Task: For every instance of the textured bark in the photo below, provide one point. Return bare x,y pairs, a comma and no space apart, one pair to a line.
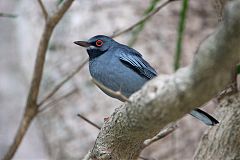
167,98
223,142
219,5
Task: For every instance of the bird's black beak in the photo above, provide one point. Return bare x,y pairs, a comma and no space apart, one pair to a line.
82,43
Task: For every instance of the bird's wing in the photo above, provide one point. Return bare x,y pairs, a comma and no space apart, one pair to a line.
134,60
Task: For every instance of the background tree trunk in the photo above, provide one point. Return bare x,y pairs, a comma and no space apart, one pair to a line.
222,141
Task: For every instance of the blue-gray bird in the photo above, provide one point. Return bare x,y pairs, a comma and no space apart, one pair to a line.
121,68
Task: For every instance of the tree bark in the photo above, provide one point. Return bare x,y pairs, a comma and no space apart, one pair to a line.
219,5
167,98
223,142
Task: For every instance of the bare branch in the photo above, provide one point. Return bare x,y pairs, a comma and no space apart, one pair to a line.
228,91
60,12
65,80
160,135
8,15
88,121
147,17
24,125
53,102
117,94
44,11
31,108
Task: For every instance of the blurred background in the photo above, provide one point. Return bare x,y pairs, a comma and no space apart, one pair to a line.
57,133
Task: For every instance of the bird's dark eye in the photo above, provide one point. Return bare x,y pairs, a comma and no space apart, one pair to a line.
99,43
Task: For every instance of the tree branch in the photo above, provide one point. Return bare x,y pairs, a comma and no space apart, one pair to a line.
31,108
167,98
147,17
136,32
44,11
88,121
160,135
65,80
31,105
54,19
51,103
8,15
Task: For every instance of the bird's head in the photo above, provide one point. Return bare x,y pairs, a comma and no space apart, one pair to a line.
96,45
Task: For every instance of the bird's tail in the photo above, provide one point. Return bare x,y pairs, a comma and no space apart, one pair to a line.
204,117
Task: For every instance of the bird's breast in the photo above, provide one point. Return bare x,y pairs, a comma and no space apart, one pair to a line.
105,71
113,74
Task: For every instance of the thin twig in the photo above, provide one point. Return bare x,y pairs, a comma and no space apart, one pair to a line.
117,94
160,135
228,91
147,17
60,12
53,102
57,87
31,108
140,27
44,11
88,121
8,15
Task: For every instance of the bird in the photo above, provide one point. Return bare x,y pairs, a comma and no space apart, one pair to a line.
122,69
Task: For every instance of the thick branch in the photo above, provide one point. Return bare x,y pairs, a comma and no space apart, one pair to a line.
167,98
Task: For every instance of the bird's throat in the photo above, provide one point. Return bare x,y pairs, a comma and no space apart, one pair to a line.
94,53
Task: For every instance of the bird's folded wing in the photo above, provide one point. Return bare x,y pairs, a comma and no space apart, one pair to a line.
137,63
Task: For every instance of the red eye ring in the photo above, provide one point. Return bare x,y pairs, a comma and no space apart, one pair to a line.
99,43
